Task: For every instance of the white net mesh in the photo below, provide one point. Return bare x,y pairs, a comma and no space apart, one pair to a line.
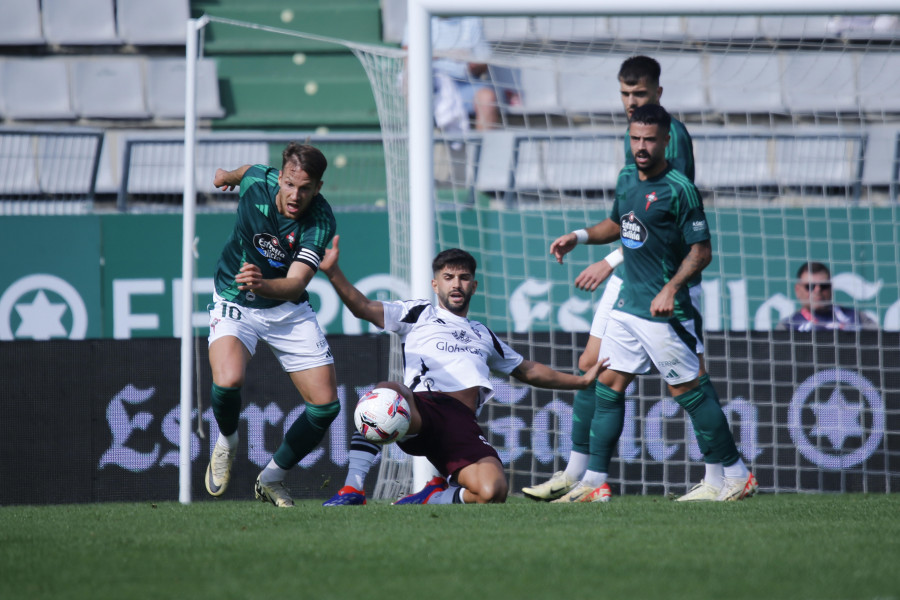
795,126
795,122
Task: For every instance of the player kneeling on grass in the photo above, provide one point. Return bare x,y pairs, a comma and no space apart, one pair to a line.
448,361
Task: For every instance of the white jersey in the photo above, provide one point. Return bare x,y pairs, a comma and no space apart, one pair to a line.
446,353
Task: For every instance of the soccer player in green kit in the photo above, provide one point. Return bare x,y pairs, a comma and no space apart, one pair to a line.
283,226
639,84
658,215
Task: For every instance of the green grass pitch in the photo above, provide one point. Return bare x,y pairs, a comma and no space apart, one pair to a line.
772,546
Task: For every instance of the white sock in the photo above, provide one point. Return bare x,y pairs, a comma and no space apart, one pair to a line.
577,465
714,474
445,496
737,470
594,479
272,473
358,467
228,441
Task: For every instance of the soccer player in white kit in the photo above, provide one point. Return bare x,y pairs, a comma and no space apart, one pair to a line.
448,359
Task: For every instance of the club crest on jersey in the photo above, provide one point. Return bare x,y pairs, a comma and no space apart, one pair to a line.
651,198
290,239
461,336
269,246
632,231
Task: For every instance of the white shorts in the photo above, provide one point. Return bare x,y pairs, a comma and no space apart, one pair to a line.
291,331
601,315
608,299
633,343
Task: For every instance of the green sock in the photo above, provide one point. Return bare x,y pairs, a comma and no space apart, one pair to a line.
606,427
306,433
708,389
709,421
226,405
582,414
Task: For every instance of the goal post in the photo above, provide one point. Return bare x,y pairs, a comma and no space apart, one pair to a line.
791,167
821,214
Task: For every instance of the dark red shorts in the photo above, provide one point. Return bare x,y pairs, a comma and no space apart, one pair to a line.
450,437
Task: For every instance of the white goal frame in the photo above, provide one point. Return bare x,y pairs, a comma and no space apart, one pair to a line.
421,139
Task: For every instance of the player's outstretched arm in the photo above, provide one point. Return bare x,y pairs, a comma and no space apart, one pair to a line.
542,376
228,180
361,306
602,233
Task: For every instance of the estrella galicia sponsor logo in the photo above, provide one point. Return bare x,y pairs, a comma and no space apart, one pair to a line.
633,232
42,307
699,225
836,419
269,246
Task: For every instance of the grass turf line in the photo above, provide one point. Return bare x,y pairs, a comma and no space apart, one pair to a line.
772,546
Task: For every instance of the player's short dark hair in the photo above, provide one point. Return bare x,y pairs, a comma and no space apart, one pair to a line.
310,159
639,67
454,257
813,267
652,114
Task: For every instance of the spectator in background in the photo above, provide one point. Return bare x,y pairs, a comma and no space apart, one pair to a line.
817,312
472,90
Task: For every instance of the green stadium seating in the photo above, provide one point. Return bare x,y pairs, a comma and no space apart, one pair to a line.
272,81
357,21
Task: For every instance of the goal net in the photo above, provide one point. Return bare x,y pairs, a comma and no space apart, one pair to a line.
795,122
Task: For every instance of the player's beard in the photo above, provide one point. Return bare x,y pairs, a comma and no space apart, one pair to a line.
458,308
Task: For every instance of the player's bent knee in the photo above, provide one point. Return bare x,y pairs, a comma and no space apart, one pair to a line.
493,491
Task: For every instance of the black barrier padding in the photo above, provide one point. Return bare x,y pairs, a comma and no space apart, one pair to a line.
92,421
97,420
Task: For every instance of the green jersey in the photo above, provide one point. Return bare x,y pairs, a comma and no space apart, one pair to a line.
660,219
264,237
679,152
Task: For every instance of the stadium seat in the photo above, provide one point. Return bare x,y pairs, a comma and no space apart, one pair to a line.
354,21
647,28
739,27
109,88
816,82
881,153
791,27
819,159
166,88
536,81
495,160
85,22
18,173
732,158
588,162
590,85
21,22
878,82
507,29
683,81
393,20
161,22
569,29
35,88
741,82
